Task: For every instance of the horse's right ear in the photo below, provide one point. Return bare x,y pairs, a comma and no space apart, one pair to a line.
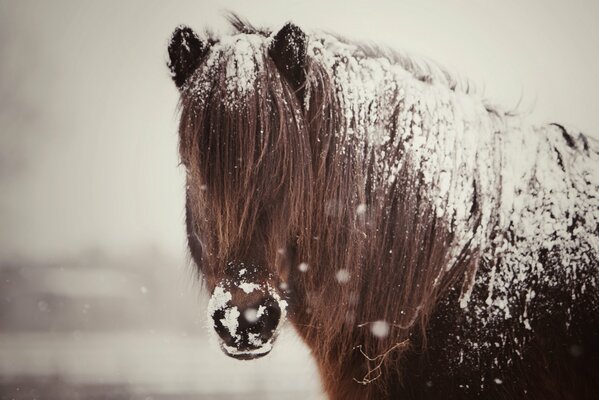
288,51
185,51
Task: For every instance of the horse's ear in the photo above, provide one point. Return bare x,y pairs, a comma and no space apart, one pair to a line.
185,52
288,50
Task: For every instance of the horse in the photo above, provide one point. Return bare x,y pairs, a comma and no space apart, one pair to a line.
423,242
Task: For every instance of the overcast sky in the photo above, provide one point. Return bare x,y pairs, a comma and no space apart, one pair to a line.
88,155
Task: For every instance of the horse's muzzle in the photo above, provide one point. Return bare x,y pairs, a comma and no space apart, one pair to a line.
246,319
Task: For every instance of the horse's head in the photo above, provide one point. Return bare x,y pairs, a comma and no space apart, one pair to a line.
244,146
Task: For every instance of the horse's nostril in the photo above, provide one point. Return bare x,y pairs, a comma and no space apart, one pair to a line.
270,320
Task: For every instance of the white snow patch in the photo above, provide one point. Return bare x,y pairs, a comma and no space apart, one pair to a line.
265,348
249,287
218,300
231,321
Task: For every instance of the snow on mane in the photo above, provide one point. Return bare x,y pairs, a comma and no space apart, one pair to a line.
532,186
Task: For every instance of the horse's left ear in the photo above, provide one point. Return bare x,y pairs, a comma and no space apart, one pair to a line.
288,51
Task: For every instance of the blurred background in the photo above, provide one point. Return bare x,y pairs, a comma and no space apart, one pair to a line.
97,295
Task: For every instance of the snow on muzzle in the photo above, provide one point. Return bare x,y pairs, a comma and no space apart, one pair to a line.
246,315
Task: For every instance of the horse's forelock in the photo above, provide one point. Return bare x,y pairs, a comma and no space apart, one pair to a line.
244,143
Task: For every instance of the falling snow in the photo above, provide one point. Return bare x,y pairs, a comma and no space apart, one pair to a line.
361,209
342,276
380,329
303,267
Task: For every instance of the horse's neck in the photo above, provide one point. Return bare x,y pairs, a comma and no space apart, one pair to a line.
523,198
447,136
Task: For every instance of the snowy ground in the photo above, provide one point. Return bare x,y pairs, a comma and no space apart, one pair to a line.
148,365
